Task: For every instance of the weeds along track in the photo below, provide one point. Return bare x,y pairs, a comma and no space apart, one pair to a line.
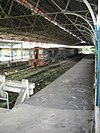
31,71
43,76
13,69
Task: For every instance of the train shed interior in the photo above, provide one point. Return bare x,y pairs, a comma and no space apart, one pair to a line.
43,68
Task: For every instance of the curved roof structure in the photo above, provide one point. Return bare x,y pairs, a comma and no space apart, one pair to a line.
66,22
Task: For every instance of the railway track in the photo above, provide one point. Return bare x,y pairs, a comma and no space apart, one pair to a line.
30,71
13,69
42,76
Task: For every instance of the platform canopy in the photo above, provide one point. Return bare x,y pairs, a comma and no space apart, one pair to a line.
66,22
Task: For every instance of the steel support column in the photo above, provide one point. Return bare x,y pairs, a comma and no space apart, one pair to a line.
90,10
21,50
98,56
12,51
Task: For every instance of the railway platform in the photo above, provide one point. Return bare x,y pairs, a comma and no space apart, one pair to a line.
64,106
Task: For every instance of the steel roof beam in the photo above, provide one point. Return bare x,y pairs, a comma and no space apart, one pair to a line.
28,35
10,7
44,15
36,8
75,14
76,27
76,43
85,28
67,5
34,11
90,10
21,16
2,10
47,37
92,15
70,19
89,3
79,30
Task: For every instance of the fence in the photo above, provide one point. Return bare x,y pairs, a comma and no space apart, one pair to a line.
24,88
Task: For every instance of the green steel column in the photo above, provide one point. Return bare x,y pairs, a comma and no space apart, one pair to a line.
98,56
98,67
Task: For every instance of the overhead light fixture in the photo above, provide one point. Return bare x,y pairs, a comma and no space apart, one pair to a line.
83,41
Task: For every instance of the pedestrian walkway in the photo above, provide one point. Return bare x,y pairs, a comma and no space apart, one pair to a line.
64,106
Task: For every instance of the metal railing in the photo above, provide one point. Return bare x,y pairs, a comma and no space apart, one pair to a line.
24,88
4,97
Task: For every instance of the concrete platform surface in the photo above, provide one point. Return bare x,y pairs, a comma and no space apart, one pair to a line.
64,106
35,119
